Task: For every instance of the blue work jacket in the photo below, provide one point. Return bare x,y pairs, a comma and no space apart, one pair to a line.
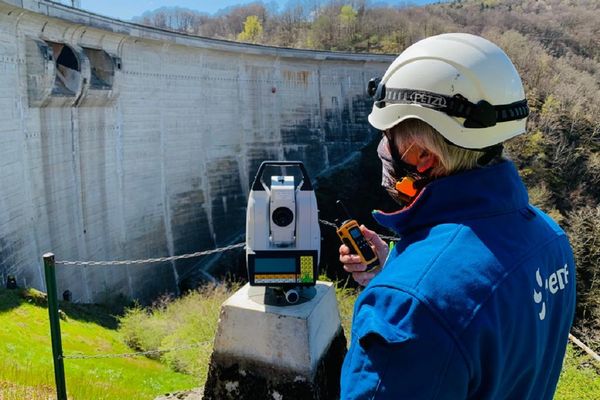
475,300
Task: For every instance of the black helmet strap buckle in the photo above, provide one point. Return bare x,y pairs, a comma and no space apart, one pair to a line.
477,115
376,89
480,115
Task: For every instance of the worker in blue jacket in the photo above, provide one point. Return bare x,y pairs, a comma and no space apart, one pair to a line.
476,298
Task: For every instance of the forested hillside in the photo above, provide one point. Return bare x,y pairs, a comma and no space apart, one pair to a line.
555,45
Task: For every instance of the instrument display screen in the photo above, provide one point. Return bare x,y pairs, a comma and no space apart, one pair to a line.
274,265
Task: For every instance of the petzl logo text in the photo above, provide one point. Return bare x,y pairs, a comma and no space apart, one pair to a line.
548,287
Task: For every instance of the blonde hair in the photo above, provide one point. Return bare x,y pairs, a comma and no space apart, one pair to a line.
451,158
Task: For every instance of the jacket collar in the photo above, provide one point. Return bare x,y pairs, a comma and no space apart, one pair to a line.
479,192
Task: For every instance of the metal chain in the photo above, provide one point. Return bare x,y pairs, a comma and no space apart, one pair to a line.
331,224
183,256
152,260
136,354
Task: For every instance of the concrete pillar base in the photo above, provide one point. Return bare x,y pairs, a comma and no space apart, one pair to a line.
281,353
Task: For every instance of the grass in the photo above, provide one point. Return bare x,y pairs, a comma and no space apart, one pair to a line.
26,369
190,320
345,298
580,377
26,362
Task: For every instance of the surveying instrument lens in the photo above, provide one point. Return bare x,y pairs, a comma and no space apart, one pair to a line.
283,216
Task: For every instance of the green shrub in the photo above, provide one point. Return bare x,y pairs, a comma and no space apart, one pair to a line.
188,323
584,234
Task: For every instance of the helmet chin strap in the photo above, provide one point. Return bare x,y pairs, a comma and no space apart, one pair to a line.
411,179
409,186
490,154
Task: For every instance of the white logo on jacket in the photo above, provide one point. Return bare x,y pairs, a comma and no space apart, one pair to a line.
555,282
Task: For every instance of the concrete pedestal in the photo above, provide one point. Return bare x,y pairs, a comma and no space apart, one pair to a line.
269,352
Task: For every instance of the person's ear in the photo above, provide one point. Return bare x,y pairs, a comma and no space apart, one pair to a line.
426,161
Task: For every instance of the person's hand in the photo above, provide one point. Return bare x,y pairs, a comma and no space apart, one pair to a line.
353,264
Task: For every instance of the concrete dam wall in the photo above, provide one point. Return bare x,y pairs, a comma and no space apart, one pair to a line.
125,142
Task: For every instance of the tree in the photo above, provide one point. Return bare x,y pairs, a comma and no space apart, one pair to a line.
252,30
584,233
322,32
289,25
348,18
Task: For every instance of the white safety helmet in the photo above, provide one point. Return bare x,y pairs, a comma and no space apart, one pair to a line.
463,85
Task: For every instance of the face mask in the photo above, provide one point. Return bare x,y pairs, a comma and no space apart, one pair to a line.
401,180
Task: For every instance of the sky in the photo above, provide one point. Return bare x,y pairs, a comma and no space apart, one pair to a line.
126,10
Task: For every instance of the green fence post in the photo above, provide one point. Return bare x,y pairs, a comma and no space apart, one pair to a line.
57,354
